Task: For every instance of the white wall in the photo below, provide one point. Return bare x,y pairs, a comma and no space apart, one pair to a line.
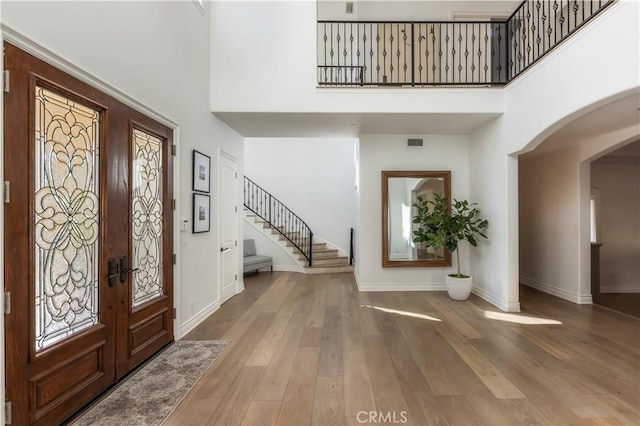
555,248
157,53
549,207
270,65
575,78
433,10
312,177
494,186
567,83
268,245
619,231
390,152
332,10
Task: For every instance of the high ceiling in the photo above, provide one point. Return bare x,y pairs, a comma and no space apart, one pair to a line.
420,10
351,124
617,115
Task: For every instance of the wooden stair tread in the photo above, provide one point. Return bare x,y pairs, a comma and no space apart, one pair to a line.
326,259
338,269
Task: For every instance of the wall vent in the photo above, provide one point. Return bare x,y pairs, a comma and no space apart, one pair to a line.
414,142
349,7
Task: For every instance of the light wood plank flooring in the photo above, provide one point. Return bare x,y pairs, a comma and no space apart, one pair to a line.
311,349
628,303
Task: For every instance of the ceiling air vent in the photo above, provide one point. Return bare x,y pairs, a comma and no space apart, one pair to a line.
414,142
349,7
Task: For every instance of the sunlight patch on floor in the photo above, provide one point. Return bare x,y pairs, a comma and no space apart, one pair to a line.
403,313
519,319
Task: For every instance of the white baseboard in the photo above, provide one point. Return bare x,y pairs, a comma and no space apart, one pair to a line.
400,287
356,276
397,286
288,268
193,322
483,294
496,301
620,289
558,292
239,287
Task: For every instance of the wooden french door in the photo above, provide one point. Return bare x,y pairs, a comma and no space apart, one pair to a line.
88,238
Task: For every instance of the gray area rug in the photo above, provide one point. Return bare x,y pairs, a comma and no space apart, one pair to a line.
151,394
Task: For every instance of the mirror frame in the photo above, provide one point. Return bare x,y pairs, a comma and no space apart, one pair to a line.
386,262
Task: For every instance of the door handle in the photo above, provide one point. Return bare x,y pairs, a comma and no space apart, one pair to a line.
112,271
224,249
124,268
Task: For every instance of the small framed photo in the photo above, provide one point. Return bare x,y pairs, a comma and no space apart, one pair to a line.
201,213
201,172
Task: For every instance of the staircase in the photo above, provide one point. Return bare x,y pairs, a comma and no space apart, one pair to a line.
326,259
274,219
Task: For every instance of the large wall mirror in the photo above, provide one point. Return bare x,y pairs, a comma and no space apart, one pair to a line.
400,189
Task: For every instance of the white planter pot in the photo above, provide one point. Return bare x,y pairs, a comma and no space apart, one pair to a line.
458,288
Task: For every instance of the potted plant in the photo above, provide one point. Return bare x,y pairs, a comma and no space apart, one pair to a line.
444,225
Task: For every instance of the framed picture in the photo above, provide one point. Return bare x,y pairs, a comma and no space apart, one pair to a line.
201,172
201,213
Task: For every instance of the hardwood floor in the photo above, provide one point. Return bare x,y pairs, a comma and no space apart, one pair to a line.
311,349
628,303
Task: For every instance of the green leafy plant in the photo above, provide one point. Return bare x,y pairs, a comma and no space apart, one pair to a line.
444,225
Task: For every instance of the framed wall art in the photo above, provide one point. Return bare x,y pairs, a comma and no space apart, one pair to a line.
201,213
201,172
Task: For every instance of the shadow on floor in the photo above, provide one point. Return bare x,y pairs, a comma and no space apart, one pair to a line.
628,303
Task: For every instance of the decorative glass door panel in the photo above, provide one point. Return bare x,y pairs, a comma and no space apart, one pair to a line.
146,218
85,172
66,217
145,287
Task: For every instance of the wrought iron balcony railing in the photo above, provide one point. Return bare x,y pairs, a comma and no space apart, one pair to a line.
416,53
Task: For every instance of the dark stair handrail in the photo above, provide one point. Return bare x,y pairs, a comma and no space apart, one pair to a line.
279,217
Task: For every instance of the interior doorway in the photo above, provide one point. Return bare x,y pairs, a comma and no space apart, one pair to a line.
88,238
558,197
229,218
615,224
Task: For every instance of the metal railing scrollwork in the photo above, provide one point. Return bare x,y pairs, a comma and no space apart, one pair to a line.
439,53
279,217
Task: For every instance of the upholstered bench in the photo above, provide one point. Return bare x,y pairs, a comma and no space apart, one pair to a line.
253,261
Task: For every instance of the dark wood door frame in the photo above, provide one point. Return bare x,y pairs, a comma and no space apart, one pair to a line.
150,326
47,386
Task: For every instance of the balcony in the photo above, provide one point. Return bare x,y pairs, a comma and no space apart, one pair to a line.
456,53
268,83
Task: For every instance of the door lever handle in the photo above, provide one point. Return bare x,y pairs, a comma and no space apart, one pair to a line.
112,271
124,268
223,249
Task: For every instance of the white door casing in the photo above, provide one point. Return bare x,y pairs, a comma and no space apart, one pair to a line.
228,225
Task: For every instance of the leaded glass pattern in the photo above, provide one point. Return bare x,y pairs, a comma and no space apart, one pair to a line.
66,208
146,218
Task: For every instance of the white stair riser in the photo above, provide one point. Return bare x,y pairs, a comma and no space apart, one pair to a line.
321,254
329,270
325,259
326,262
316,246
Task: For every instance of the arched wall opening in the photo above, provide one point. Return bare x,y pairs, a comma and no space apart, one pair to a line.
575,79
555,190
